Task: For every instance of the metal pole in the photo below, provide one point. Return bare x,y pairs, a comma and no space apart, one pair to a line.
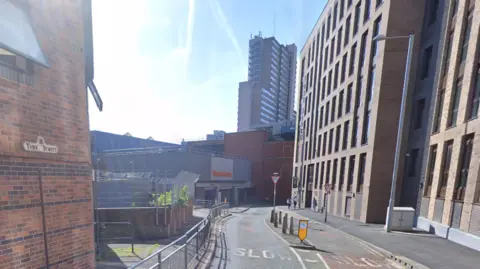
156,199
391,202
325,204
165,199
274,195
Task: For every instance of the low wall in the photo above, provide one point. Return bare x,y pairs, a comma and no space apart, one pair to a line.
144,221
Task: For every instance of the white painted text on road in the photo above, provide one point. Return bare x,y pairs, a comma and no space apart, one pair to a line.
259,254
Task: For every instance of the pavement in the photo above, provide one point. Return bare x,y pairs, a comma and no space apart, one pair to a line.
414,248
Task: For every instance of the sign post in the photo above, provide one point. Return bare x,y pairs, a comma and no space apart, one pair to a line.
302,229
325,200
275,178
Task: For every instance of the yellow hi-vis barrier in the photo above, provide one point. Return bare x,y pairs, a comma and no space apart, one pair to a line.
302,229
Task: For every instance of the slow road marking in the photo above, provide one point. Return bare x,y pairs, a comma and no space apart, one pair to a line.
259,254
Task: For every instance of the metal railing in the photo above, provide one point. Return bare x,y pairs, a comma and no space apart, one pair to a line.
199,203
182,252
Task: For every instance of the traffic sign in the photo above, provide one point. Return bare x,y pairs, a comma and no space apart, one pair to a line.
302,229
275,179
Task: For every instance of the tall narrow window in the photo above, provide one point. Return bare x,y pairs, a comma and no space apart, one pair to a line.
361,172
446,61
337,138
334,174
322,174
438,112
358,93
327,110
351,67
321,117
344,68
363,50
339,40
324,144
332,49
356,19
319,143
371,85
420,109
376,31
379,2
327,175
335,12
341,179
316,176
427,56
342,9
325,59
324,85
330,82
466,155
466,36
353,142
447,157
330,141
366,128
351,171
433,10
329,19
340,104
334,106
475,97
431,170
335,78
345,134
346,39
452,119
348,102
366,11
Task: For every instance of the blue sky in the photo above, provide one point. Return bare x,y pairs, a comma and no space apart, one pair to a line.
170,68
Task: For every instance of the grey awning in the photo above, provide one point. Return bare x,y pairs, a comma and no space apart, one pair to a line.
16,34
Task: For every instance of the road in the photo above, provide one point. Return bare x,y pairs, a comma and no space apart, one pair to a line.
248,241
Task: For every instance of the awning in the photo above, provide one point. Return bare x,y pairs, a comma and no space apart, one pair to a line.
17,36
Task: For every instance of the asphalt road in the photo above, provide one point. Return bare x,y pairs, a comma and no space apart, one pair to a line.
248,241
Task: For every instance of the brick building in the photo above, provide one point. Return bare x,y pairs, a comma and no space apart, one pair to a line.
45,169
349,93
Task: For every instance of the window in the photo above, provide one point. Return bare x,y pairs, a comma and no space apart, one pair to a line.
366,11
349,3
342,8
341,179
309,101
348,102
329,19
16,68
334,104
358,94
319,143
466,36
345,135
337,138
412,169
346,39
322,174
475,97
335,77
321,117
327,110
433,10
334,174
316,176
371,86
330,82
427,56
448,53
420,109
340,104
363,49
361,172
330,141
353,143
351,169
447,157
452,119
325,59
352,59
314,147
327,175
339,40
356,19
305,157
454,7
366,128
344,68
431,169
324,144
332,49
335,12
324,85
376,31
438,111
379,2
466,154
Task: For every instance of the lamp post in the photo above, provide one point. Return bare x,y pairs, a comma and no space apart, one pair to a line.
391,202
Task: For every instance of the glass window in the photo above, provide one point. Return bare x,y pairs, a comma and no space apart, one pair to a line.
346,39
351,171
447,157
345,135
438,111
348,102
466,36
466,155
452,119
366,11
361,172
475,97
366,128
431,169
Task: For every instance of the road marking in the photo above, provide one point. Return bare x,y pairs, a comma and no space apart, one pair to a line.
323,260
268,255
312,261
285,241
304,250
250,254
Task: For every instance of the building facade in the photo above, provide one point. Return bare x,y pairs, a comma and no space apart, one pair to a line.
349,103
450,199
268,95
46,214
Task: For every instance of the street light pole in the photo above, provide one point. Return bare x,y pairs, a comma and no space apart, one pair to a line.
391,202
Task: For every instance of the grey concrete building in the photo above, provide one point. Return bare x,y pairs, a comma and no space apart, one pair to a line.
268,95
349,104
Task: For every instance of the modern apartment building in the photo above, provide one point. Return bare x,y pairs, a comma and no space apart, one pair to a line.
450,205
268,95
349,104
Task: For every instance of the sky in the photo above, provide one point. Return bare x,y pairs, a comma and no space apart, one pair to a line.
170,68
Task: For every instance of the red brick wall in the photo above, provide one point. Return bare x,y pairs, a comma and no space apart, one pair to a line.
56,109
278,158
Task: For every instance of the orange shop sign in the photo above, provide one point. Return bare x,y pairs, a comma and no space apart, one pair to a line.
216,173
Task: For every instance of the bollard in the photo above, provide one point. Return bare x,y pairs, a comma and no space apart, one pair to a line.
271,216
275,222
285,223
280,217
291,225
